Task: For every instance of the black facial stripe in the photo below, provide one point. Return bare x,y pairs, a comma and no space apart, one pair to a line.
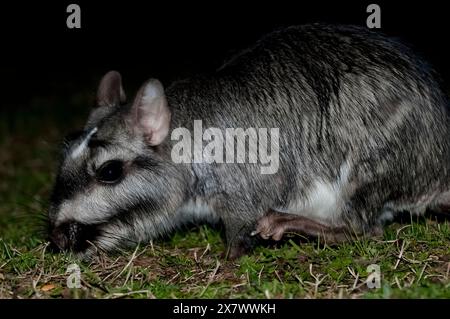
126,214
96,143
68,185
73,179
69,139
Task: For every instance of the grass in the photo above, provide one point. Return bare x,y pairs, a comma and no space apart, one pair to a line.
414,257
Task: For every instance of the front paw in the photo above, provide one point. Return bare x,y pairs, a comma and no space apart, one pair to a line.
240,247
234,252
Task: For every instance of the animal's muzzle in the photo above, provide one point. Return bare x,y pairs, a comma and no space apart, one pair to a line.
72,236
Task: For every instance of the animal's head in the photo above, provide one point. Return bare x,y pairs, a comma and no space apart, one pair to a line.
116,184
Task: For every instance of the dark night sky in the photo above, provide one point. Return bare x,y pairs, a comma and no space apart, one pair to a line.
142,39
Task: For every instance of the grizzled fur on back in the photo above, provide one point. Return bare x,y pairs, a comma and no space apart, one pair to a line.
363,134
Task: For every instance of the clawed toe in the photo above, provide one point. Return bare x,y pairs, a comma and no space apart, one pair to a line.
275,232
271,226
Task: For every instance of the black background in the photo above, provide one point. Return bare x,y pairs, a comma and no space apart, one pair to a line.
41,57
163,308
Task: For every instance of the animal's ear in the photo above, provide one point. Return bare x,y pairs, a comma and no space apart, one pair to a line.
150,114
110,91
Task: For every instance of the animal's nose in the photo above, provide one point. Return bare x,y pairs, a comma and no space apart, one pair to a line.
71,236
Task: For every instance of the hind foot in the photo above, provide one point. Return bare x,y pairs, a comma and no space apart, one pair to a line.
275,225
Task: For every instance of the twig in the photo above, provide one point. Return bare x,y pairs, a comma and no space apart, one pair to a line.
211,278
400,255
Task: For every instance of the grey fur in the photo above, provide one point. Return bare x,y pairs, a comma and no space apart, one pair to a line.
344,98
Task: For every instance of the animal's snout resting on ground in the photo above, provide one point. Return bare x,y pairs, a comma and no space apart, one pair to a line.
355,122
72,236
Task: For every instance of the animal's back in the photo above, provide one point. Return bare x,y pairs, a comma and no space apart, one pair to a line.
362,119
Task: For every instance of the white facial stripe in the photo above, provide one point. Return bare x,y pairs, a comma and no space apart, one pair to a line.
98,204
80,148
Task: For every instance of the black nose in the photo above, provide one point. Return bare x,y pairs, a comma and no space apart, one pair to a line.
72,236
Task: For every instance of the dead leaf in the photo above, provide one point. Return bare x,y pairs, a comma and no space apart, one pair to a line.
47,287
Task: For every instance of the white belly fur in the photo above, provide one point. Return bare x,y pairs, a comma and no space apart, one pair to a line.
324,201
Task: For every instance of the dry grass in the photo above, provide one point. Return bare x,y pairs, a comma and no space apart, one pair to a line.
189,266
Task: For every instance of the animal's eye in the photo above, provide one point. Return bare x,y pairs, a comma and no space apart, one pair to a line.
110,172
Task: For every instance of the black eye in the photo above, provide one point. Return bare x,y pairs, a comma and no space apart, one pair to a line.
110,172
